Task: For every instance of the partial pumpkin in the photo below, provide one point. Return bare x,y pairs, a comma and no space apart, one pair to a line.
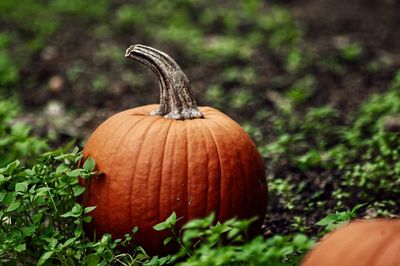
158,159
361,243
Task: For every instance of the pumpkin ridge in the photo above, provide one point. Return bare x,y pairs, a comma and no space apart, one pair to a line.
130,180
108,182
200,128
228,180
187,171
359,248
161,163
122,121
143,138
251,172
103,144
386,242
210,146
219,163
225,127
394,244
362,242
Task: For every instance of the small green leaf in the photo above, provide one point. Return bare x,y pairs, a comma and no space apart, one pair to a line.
78,190
330,218
45,256
21,187
37,217
167,240
75,173
171,220
355,208
168,223
78,231
10,167
3,179
62,168
190,234
13,206
69,145
9,198
28,231
53,243
89,209
89,164
87,219
234,232
42,191
20,247
161,226
92,259
300,240
78,158
2,195
135,230
75,150
69,242
75,212
200,223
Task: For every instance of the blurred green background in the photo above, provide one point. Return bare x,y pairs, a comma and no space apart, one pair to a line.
313,82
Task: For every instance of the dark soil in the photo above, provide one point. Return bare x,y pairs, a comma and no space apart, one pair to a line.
375,25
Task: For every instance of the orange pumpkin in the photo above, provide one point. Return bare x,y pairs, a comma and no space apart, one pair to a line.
158,159
361,243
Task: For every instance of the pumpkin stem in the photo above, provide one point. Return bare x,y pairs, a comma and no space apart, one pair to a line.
176,98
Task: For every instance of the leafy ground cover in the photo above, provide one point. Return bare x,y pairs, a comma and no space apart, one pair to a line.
319,92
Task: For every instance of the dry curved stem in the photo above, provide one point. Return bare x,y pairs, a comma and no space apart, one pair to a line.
176,98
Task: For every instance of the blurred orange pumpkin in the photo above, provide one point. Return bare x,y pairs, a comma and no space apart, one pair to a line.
361,243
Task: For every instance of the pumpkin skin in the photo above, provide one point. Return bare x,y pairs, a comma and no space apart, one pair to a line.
153,166
362,243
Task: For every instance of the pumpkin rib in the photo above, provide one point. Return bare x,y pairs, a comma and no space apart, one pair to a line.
171,176
197,176
187,179
229,184
252,175
383,245
391,250
131,179
241,166
204,122
344,246
212,180
204,146
161,165
359,248
165,176
121,141
226,203
375,241
102,144
180,191
155,139
106,216
140,149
